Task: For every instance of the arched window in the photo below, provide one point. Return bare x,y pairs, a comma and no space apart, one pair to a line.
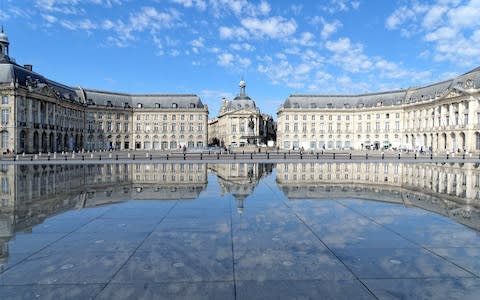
5,140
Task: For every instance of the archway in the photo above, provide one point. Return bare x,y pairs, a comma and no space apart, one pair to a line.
21,145
454,146
51,142
36,142
44,142
461,141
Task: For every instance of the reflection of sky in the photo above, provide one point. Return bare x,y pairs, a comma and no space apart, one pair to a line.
273,238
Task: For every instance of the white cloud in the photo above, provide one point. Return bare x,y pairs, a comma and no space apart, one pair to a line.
340,5
273,27
330,28
349,56
242,47
264,8
233,61
237,33
449,25
199,4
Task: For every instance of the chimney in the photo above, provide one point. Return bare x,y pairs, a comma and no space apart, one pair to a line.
28,67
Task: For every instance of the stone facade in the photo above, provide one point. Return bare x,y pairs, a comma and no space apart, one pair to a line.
240,123
40,115
443,117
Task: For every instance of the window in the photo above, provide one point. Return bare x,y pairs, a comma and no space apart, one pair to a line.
139,105
4,116
174,105
5,139
4,99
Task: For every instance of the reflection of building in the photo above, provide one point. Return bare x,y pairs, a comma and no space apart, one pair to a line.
449,189
40,115
240,179
442,117
240,123
30,194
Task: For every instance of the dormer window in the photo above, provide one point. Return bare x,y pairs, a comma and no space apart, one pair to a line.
157,105
192,105
126,105
360,105
109,103
346,105
329,105
139,105
313,105
174,105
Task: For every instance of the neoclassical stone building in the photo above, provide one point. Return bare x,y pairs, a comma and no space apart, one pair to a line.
240,123
442,117
148,122
41,115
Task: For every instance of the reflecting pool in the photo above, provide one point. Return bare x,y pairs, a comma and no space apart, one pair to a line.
240,231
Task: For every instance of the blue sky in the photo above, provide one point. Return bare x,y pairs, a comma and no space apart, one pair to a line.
279,47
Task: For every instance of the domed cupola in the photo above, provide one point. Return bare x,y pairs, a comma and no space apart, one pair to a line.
4,43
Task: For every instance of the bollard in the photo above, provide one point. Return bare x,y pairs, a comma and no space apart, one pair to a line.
134,156
83,157
350,156
65,157
431,155
398,155
463,156
415,156
366,155
333,155
116,157
167,156
48,157
447,155
317,155
301,155
15,158
31,158
99,157
251,155
151,156
201,156
383,155
268,155
218,156
184,156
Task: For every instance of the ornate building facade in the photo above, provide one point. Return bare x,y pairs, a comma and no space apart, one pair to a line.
442,117
240,123
41,115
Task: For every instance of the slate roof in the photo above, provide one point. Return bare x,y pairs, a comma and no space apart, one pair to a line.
412,95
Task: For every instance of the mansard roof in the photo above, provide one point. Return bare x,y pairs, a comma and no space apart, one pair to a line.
96,97
469,80
344,101
11,73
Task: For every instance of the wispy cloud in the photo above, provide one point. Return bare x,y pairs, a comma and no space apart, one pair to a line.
451,26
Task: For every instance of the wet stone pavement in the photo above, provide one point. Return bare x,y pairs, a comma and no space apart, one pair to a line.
273,248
